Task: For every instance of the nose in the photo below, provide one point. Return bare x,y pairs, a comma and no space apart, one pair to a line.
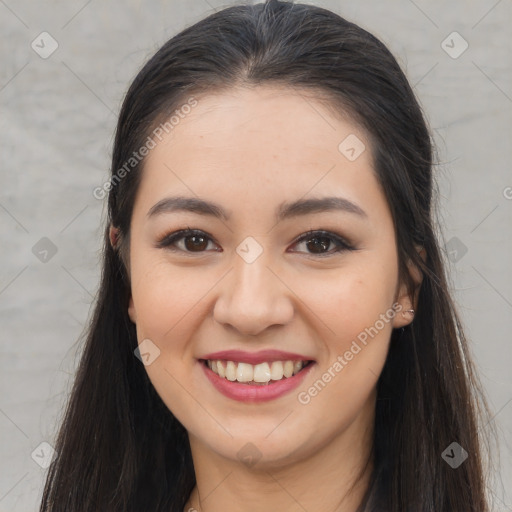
253,297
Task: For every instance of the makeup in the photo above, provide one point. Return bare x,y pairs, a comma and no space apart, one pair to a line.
256,392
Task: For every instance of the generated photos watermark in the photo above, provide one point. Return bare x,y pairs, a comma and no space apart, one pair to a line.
305,397
150,143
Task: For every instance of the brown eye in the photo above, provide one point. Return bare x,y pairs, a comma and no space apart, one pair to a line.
195,242
318,243
186,240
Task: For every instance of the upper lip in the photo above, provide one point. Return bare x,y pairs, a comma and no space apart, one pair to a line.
255,357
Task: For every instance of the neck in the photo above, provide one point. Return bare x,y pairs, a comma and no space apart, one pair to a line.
333,477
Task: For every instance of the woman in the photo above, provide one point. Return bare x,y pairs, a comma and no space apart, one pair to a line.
274,329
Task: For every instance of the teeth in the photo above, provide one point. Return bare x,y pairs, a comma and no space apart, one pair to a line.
231,371
288,368
276,370
297,367
221,370
244,372
261,373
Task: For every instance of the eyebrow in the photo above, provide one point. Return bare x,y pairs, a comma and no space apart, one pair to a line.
285,210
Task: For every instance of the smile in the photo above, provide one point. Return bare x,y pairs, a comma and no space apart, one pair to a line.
249,383
259,374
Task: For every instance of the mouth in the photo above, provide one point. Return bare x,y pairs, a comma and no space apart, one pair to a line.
262,374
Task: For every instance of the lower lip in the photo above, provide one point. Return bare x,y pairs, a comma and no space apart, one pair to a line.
255,393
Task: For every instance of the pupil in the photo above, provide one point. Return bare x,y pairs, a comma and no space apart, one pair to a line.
316,245
193,246
323,245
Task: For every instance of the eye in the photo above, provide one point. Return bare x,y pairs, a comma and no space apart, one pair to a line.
197,241
319,241
194,240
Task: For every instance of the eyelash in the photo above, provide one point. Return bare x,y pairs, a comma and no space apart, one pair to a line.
341,244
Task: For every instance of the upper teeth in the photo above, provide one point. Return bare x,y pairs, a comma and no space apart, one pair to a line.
263,372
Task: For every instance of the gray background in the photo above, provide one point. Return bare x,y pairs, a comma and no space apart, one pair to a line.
57,121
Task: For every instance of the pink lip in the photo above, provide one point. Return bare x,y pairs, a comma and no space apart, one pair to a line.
240,356
254,393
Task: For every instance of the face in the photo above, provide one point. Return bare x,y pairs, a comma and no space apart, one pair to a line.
318,281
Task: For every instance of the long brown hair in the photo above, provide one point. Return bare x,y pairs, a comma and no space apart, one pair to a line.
119,447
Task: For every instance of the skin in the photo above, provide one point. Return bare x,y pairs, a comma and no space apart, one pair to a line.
249,150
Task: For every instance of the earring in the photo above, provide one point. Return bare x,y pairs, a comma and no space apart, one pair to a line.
114,236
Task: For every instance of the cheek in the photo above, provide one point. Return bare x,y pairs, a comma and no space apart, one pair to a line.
355,316
165,297
349,299
167,300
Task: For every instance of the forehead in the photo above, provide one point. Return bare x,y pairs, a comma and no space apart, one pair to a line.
261,145
244,119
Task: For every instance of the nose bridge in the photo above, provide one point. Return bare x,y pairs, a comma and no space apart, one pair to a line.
254,281
252,297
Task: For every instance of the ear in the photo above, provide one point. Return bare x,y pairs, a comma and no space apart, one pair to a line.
114,236
404,299
114,240
131,311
